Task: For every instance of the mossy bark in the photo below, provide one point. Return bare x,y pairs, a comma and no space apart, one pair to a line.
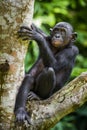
13,14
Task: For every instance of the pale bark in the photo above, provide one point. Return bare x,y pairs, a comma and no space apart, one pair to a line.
45,114
13,14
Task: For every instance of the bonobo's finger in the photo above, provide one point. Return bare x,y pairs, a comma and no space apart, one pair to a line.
30,93
28,120
25,27
38,30
33,27
27,38
24,31
30,96
25,34
16,120
33,96
20,118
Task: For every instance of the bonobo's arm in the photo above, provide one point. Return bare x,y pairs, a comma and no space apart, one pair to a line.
26,86
45,51
49,60
66,57
39,31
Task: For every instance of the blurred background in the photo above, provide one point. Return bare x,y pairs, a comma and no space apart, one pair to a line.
46,14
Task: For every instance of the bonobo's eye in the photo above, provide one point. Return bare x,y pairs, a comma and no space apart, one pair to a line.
63,31
55,31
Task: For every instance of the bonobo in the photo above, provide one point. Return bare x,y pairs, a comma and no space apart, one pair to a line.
53,67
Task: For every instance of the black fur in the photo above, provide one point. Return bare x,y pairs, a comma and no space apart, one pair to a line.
52,70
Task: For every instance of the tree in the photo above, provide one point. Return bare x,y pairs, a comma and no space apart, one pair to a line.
13,13
44,114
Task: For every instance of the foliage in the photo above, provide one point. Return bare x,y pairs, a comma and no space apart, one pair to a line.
75,121
47,13
31,56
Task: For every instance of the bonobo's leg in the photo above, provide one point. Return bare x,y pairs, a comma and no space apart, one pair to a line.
20,110
45,83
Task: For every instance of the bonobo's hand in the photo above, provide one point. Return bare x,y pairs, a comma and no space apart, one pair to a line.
27,33
21,115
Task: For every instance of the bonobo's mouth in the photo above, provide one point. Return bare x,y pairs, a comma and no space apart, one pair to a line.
57,43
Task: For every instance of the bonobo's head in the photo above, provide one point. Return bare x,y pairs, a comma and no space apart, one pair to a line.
62,34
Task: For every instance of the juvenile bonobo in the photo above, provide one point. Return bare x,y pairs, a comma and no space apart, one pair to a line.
53,67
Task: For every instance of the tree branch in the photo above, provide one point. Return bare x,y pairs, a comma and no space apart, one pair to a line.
45,114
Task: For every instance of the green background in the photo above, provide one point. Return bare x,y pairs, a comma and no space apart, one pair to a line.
46,14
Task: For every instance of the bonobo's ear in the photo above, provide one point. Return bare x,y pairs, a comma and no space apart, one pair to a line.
74,36
51,30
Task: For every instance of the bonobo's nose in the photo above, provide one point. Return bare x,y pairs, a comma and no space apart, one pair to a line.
57,36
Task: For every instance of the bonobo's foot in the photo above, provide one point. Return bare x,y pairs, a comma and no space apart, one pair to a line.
32,96
21,115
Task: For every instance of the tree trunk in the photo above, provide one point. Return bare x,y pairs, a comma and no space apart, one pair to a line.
13,13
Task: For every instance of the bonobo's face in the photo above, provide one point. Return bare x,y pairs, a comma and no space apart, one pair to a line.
61,35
